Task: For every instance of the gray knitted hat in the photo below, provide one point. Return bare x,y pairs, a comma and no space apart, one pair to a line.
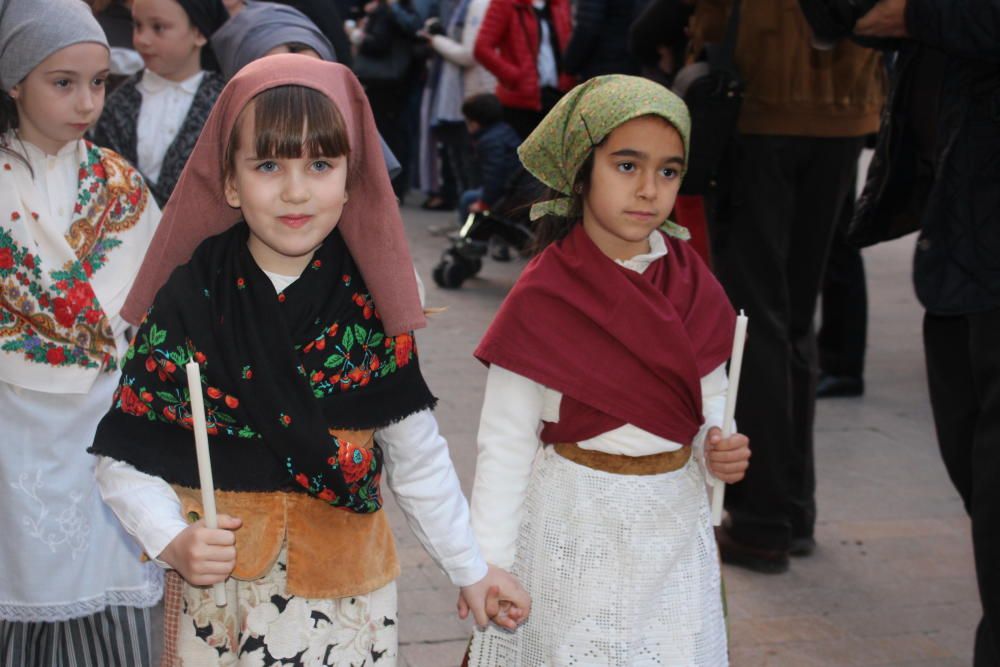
32,30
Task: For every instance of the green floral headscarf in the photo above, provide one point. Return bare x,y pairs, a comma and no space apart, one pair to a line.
581,120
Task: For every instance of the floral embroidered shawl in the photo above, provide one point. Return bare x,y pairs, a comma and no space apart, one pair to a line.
58,288
281,371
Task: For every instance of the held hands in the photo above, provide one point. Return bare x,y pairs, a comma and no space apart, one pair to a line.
727,458
204,556
497,597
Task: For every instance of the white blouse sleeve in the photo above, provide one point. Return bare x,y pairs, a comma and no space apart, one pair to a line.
713,406
508,444
421,475
145,505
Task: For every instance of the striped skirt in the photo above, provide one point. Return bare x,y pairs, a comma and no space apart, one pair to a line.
115,637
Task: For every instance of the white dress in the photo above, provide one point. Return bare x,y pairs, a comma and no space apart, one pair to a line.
622,569
63,554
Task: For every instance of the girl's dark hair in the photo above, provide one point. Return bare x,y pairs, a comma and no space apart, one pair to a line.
8,121
551,228
289,122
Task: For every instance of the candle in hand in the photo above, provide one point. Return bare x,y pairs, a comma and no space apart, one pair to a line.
735,364
204,460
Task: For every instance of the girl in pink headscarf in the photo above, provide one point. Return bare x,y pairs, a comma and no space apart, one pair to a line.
301,316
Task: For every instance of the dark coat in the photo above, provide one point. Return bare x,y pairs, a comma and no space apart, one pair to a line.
496,157
950,186
116,129
599,42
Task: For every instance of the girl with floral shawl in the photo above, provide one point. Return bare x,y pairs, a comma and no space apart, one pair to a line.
75,221
301,317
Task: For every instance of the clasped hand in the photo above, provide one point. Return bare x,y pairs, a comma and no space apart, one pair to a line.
727,458
497,597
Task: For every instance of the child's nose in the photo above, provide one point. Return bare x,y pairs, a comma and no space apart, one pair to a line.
86,100
294,189
647,185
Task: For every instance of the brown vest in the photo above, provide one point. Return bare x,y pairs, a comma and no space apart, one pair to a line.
332,552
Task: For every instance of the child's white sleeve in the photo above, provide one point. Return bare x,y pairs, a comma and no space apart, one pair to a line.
145,505
423,479
508,444
713,407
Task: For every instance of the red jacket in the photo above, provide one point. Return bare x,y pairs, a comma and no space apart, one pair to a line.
507,45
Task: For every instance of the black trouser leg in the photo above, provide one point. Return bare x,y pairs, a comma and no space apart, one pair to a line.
963,374
843,329
770,245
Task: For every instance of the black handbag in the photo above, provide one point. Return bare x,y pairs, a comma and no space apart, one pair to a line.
713,90
390,67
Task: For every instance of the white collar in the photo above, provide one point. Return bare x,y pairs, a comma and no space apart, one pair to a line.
36,154
657,249
153,83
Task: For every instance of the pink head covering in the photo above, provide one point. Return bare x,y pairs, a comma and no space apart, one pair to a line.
370,224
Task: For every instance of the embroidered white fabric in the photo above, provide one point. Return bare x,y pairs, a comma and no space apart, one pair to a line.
622,570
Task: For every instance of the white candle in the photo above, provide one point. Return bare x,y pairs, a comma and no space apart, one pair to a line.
204,460
735,364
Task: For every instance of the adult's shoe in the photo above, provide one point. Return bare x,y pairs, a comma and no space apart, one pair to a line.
765,561
802,546
837,386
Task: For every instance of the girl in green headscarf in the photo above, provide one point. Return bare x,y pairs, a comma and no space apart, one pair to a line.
606,389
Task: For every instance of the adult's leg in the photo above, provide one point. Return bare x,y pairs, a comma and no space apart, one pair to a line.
826,178
963,373
844,322
750,235
770,243
524,121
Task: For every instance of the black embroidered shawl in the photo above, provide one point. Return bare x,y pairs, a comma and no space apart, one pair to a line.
279,372
116,129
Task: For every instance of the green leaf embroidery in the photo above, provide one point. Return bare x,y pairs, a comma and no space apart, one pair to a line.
156,337
166,396
348,340
334,361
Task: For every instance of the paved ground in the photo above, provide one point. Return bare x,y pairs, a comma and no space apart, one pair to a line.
892,581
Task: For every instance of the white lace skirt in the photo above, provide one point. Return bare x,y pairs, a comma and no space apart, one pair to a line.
623,571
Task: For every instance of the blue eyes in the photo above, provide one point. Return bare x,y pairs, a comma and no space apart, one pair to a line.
270,166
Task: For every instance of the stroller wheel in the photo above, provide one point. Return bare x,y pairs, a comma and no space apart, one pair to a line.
453,270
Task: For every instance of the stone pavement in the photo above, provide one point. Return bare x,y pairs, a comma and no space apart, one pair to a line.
891,582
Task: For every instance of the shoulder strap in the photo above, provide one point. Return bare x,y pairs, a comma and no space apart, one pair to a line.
723,55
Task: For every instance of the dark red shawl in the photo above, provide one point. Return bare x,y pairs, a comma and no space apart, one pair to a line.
622,347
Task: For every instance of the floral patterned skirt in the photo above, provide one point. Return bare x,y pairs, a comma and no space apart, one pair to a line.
262,625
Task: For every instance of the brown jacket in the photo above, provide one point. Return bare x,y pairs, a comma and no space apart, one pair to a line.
792,88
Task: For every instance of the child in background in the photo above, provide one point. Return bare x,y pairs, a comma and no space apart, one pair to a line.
609,357
494,145
301,318
155,117
75,222
267,28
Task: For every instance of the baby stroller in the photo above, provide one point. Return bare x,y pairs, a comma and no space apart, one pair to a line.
507,221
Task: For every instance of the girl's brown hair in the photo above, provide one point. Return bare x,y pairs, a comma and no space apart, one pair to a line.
290,122
551,228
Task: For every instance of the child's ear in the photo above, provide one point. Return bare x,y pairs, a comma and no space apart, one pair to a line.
199,39
232,194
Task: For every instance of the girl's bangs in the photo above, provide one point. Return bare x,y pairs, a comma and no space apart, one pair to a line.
295,121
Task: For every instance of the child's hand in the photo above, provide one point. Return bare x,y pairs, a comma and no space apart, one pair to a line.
727,458
204,556
497,597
